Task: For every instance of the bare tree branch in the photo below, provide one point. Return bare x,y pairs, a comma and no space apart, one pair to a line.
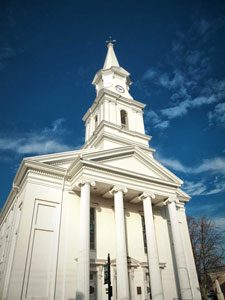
208,244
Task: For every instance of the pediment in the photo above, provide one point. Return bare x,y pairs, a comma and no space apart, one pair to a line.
133,163
129,159
133,159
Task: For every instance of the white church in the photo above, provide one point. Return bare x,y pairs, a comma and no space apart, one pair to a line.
67,211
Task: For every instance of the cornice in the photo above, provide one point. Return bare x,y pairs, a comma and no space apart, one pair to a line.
114,96
59,158
182,196
38,166
54,156
117,70
12,195
34,167
120,151
137,151
117,171
99,133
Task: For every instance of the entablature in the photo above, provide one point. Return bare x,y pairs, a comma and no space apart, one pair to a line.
122,135
105,95
109,176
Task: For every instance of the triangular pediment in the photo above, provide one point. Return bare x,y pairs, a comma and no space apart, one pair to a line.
133,159
130,159
133,163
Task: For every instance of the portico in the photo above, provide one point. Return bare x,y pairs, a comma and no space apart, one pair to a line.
117,189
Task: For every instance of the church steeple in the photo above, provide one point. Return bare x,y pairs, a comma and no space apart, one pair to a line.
115,119
112,76
111,59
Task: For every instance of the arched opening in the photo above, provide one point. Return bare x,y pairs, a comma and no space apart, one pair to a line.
124,119
96,121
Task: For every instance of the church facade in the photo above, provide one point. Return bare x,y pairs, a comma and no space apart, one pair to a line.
67,211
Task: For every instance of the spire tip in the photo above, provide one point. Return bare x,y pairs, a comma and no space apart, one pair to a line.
110,42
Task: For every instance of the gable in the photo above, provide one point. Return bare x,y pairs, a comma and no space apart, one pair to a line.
135,160
134,164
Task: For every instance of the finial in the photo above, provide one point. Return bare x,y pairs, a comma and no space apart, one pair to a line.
110,41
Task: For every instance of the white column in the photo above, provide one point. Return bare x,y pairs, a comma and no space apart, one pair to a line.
121,249
219,292
153,257
83,275
99,289
132,287
183,276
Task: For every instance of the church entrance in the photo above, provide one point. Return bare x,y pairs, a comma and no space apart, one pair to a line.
93,285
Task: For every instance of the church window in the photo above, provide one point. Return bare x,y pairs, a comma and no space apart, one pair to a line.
92,228
96,121
144,233
124,118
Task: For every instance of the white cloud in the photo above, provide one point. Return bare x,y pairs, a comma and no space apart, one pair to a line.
219,222
47,140
186,74
218,115
182,108
173,163
214,165
195,188
176,111
149,74
153,118
201,188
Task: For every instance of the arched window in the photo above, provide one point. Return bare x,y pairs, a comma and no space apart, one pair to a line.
96,121
124,119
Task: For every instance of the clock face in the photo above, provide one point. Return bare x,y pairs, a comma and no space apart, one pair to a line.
120,89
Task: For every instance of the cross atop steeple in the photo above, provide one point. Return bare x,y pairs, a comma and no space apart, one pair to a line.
111,60
110,41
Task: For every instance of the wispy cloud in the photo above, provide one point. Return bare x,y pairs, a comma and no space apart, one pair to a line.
195,188
156,121
46,140
201,188
218,114
219,223
215,165
186,75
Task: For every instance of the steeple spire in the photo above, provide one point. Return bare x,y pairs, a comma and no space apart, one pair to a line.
111,59
112,77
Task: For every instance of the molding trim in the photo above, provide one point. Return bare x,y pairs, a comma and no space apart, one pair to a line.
147,195
111,96
118,188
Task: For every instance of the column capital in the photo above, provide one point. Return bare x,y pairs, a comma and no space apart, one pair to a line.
146,195
171,199
82,182
118,188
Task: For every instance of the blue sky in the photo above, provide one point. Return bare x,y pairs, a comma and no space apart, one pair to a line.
174,50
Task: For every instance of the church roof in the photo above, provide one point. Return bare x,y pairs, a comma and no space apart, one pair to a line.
111,59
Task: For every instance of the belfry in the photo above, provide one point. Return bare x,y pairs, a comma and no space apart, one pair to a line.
67,211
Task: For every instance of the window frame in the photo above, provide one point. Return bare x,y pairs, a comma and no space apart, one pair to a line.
124,117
